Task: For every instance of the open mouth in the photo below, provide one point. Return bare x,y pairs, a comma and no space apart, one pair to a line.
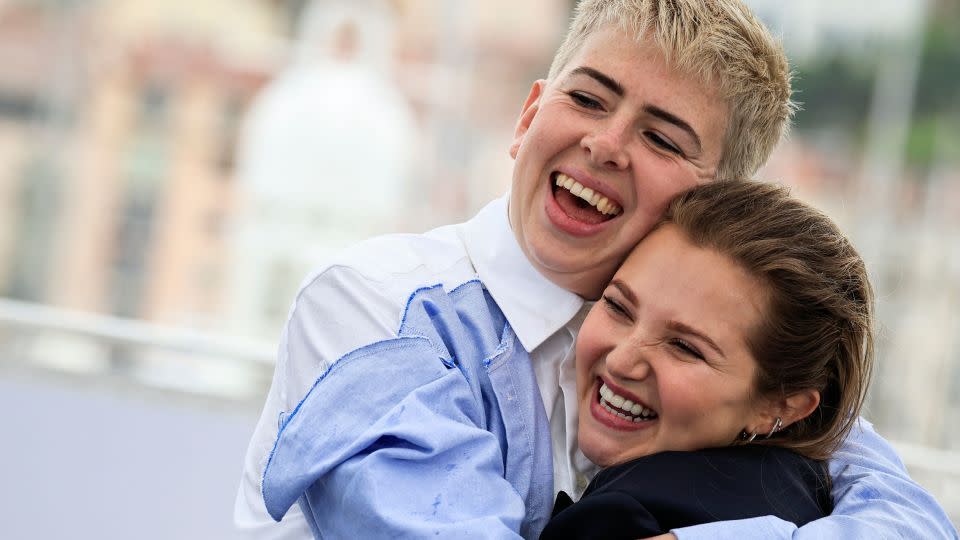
624,407
582,203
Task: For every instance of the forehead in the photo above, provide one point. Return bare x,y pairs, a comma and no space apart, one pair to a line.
628,54
699,286
641,68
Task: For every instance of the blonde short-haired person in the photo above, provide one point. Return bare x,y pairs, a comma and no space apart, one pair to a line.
715,395
644,100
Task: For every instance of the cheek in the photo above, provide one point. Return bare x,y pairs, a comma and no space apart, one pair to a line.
590,346
584,358
689,396
708,414
679,400
660,182
544,132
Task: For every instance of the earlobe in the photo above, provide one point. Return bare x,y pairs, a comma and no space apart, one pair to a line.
527,113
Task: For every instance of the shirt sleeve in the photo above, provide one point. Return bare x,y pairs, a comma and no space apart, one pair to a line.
873,498
391,442
336,311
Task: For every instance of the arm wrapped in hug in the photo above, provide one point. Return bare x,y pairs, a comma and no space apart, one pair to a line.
437,432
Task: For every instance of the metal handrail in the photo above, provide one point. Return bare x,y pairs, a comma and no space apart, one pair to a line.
122,331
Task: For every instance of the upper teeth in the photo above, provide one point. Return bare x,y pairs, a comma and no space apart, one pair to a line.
608,398
602,204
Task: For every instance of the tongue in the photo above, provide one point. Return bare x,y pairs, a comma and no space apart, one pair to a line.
577,208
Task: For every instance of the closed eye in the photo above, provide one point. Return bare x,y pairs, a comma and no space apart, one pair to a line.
686,348
614,307
663,143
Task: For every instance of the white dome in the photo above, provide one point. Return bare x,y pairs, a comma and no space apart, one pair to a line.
328,137
324,159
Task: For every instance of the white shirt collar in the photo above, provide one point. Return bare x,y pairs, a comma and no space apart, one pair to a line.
535,306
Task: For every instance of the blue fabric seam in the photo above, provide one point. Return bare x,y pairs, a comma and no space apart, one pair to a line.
508,341
505,345
525,431
442,352
300,293
406,307
413,295
346,359
456,290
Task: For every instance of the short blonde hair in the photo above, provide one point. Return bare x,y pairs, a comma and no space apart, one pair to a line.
721,43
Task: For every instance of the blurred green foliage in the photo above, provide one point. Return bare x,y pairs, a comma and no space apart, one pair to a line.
836,89
834,92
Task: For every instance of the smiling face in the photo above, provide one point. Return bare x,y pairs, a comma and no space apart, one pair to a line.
622,134
662,359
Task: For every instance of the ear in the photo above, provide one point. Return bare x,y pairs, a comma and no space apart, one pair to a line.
789,409
529,110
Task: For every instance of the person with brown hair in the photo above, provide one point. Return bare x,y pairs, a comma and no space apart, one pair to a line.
728,357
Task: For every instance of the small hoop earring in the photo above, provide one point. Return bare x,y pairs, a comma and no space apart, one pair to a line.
776,427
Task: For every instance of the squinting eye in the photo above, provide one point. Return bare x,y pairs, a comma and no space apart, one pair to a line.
614,307
686,348
584,101
662,143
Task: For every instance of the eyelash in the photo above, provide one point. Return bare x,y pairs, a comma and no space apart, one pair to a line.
614,307
584,101
680,344
659,141
686,348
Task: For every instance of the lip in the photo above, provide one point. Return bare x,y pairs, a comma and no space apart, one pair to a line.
564,222
609,420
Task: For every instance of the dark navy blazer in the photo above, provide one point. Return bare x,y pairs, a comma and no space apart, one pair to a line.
654,494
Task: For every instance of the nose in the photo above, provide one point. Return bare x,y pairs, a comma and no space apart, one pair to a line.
631,359
606,146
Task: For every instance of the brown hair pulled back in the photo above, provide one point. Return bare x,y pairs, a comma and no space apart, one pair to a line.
817,331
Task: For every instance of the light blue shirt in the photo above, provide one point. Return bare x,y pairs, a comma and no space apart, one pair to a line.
439,432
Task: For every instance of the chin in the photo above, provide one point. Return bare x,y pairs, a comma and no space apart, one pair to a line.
600,452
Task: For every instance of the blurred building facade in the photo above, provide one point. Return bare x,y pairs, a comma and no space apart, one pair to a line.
122,185
122,161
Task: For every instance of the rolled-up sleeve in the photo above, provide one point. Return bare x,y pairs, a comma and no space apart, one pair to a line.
337,310
390,443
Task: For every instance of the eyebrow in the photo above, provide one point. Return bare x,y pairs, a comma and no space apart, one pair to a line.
624,290
652,110
673,325
687,329
669,117
601,78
